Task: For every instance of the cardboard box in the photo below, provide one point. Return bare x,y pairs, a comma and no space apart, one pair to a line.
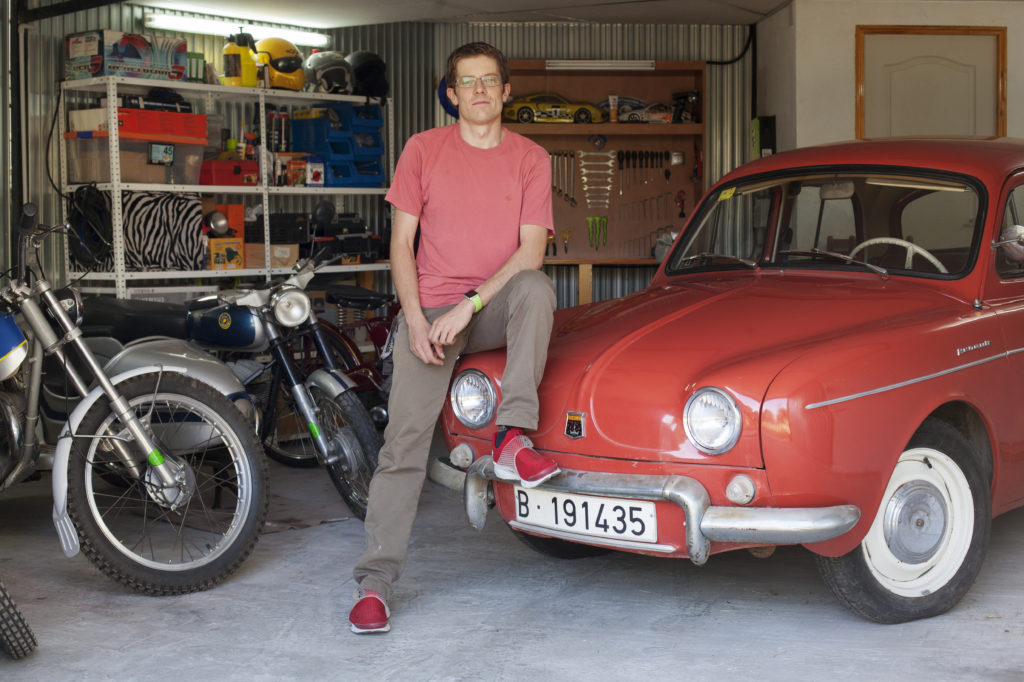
225,253
91,54
281,255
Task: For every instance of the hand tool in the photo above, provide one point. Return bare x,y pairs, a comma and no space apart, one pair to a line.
608,154
554,175
634,155
565,240
620,155
572,181
681,202
551,246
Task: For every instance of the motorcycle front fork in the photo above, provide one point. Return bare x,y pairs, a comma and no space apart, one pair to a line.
163,473
288,374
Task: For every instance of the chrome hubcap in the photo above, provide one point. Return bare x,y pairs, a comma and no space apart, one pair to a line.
915,522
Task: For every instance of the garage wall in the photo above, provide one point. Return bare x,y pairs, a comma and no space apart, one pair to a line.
821,105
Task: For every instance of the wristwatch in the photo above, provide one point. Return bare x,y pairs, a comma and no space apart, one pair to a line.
475,299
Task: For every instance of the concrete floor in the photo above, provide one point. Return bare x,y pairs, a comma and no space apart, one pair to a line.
482,606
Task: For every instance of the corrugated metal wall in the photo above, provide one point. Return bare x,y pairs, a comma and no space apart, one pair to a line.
6,210
415,54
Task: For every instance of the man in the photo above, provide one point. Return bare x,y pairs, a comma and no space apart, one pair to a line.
481,198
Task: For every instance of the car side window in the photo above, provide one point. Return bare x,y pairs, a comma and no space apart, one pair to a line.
1009,261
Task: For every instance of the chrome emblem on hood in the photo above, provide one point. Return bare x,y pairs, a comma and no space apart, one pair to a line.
575,425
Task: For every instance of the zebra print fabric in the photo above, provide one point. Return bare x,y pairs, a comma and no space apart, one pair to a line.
162,231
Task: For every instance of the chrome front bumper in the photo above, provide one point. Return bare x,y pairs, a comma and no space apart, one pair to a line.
704,523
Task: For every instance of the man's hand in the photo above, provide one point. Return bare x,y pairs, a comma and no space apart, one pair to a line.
420,343
447,327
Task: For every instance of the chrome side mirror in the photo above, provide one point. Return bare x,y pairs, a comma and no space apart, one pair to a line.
1012,241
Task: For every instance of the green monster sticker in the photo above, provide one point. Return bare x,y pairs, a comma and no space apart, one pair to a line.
314,430
155,458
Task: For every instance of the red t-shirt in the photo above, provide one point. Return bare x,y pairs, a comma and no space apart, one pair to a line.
471,203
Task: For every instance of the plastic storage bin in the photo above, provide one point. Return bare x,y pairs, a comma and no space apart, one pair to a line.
144,158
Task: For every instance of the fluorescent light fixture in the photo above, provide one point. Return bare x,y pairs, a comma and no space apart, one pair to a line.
226,27
599,65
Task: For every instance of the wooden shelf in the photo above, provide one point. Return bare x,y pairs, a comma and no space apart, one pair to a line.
642,200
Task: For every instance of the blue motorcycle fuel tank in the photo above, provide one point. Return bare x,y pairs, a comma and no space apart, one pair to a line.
13,346
225,326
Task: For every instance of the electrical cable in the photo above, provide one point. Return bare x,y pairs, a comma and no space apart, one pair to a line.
743,52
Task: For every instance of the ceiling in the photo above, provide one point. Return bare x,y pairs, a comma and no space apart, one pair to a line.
339,13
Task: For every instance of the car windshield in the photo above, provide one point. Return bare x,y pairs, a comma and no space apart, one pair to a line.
888,223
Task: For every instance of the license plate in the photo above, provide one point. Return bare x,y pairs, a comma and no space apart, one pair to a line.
606,517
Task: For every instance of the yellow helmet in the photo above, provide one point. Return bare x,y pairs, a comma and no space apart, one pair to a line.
284,62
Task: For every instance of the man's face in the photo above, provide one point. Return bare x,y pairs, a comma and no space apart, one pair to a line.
479,103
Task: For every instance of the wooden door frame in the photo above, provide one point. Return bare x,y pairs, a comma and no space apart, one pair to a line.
999,32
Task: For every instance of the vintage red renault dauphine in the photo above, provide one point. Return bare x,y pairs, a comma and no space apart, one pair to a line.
831,355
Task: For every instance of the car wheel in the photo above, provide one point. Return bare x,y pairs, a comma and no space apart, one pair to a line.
928,539
525,115
583,116
559,549
633,117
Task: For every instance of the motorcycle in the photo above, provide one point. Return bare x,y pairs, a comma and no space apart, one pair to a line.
310,411
157,476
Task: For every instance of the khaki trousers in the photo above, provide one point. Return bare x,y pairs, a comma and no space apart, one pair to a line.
520,318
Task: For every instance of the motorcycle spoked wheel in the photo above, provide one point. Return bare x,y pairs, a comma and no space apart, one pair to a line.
16,637
344,421
140,541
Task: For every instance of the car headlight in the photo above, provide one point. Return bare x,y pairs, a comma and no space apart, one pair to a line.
712,420
291,307
473,398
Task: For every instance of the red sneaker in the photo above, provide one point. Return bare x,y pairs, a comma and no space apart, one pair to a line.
370,614
516,460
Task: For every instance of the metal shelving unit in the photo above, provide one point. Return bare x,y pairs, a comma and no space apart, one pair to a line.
209,95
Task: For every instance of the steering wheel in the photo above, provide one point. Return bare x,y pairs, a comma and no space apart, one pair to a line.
909,246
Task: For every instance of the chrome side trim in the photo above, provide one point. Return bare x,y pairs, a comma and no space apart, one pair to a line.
704,523
908,382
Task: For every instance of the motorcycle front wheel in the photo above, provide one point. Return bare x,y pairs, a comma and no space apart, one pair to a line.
352,434
136,535
16,637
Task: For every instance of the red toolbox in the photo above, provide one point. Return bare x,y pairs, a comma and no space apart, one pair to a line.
161,122
229,172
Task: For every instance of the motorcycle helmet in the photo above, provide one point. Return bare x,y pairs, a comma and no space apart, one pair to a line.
329,72
283,61
370,75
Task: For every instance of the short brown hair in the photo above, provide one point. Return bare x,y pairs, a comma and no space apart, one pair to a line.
475,50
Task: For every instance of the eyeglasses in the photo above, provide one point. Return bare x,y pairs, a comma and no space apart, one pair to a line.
489,81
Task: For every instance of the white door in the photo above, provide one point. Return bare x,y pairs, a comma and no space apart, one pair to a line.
930,85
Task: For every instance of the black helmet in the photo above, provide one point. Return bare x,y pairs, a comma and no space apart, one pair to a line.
329,72
369,72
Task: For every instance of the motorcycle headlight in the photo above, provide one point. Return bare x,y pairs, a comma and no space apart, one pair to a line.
473,398
291,307
712,420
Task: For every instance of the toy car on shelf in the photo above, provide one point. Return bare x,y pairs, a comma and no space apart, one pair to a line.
831,355
551,108
651,113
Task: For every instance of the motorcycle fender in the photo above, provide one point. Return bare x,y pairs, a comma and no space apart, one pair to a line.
61,519
199,364
330,382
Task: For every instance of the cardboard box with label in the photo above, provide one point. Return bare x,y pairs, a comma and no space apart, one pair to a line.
281,255
91,54
226,253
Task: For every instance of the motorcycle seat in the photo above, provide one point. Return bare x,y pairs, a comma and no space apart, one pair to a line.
348,296
127,320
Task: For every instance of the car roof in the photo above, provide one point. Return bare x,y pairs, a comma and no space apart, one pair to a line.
989,159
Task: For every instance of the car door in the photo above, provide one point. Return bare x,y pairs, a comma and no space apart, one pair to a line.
1004,294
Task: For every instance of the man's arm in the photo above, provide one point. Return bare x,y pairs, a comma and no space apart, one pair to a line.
403,273
529,256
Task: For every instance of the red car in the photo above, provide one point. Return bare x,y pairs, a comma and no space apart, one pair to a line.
826,357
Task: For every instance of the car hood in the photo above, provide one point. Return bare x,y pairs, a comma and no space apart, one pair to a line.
630,364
